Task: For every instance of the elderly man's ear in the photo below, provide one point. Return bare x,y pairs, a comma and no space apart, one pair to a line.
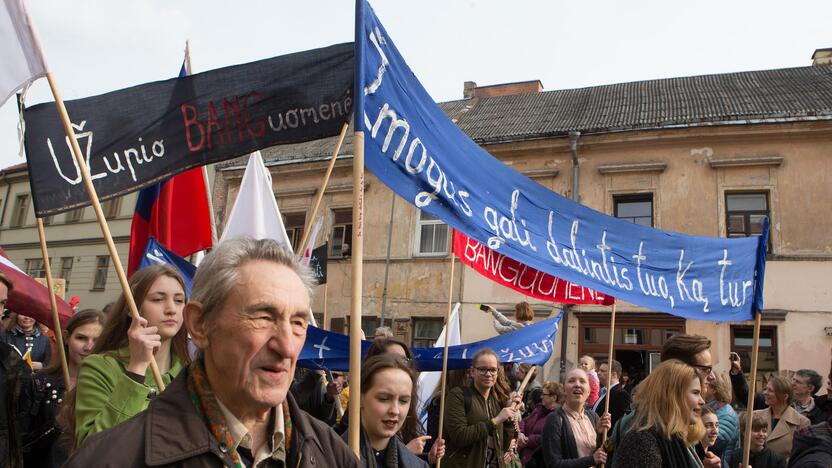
195,322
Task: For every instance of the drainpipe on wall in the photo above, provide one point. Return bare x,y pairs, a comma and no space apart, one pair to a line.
576,171
387,260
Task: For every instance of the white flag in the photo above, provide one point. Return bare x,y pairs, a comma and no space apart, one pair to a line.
21,60
310,241
255,212
428,381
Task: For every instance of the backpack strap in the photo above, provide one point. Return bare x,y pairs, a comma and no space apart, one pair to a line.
466,398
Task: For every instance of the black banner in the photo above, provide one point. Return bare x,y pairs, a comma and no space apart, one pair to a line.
138,136
317,262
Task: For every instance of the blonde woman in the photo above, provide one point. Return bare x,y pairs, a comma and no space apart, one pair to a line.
667,422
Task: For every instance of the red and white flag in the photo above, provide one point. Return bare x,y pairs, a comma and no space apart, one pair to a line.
310,241
31,298
21,60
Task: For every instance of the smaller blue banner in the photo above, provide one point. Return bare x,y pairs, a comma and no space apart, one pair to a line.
529,345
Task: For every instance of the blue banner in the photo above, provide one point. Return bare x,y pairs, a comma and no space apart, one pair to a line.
530,345
417,151
156,253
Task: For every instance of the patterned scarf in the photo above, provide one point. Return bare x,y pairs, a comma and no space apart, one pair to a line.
206,403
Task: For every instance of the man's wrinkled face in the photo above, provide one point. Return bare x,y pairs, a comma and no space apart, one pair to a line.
255,337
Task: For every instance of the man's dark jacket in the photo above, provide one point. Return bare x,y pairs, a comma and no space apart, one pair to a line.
170,432
15,375
619,403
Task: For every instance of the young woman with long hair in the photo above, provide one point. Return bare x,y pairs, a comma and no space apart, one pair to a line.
42,400
114,383
388,398
667,422
479,417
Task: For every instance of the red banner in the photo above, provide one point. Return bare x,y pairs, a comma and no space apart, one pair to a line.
521,278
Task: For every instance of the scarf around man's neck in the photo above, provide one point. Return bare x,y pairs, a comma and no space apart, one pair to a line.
199,390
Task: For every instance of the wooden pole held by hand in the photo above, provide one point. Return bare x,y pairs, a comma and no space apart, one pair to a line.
445,356
752,390
99,213
357,248
609,373
59,336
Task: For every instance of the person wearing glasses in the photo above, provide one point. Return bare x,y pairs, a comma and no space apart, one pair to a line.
532,425
479,417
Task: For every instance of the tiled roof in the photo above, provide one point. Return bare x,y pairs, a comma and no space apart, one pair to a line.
788,94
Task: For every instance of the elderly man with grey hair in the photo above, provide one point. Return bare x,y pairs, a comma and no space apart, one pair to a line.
247,316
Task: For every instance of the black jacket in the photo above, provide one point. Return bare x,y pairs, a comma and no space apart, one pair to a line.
397,454
765,458
310,393
620,402
647,449
15,375
43,445
559,447
812,446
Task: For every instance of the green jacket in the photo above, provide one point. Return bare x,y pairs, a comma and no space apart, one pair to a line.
466,434
106,396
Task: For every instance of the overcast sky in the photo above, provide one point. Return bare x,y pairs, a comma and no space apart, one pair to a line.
98,46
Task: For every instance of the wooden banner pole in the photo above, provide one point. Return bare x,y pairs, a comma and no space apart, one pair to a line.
99,213
320,195
324,319
59,336
752,390
445,355
609,373
356,298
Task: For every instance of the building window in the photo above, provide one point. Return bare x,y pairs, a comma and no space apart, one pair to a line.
341,233
636,209
431,235
744,213
21,210
111,208
426,331
75,215
102,266
742,338
66,270
35,268
47,220
294,228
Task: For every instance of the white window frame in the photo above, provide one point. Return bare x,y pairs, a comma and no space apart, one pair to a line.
418,237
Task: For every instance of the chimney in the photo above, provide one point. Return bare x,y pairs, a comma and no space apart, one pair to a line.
471,90
468,89
822,56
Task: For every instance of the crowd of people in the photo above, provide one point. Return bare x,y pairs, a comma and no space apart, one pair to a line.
233,395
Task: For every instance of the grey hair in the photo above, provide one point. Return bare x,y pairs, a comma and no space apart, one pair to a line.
220,270
812,378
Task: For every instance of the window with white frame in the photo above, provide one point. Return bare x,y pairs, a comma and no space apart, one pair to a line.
431,235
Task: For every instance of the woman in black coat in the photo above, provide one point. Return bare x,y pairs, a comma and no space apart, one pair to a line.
571,434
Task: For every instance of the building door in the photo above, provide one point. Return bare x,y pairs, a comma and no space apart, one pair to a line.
638,338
